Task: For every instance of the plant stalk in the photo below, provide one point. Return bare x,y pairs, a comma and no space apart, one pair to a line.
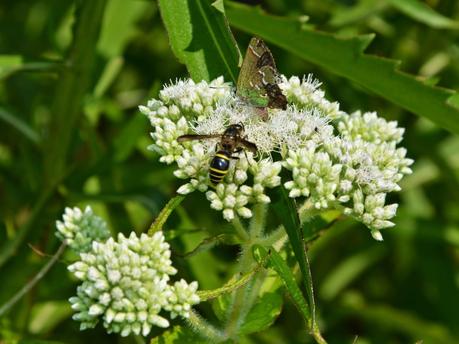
205,329
72,86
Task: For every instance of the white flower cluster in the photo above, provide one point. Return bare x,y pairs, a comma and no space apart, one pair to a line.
80,228
337,160
126,284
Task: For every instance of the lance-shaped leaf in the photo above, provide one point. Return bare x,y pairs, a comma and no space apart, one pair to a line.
278,264
286,211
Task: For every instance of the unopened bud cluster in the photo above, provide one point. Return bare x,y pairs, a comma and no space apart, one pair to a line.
336,160
80,228
125,283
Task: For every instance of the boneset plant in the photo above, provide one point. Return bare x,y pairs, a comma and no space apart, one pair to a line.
317,156
329,160
348,162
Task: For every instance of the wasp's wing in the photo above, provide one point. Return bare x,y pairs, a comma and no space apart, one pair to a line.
191,137
249,145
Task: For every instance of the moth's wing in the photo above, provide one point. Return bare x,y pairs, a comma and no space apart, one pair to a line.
277,100
269,75
249,83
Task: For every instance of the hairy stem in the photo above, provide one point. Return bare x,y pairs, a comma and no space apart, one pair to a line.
26,288
202,327
232,285
257,225
240,230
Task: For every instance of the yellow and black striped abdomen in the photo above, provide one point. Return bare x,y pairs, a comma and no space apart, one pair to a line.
219,166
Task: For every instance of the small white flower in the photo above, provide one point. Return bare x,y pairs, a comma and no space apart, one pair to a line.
335,160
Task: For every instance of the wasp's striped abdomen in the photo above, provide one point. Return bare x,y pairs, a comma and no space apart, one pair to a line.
219,166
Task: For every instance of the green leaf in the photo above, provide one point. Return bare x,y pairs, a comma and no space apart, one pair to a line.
286,211
263,313
178,335
202,41
345,57
423,13
278,264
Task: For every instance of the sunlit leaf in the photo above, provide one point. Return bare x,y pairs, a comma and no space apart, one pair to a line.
202,40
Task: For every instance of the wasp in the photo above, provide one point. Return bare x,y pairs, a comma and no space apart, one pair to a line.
231,141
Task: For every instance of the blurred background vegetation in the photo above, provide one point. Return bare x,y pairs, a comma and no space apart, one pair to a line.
71,134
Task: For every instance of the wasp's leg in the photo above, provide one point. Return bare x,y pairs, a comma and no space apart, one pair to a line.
237,150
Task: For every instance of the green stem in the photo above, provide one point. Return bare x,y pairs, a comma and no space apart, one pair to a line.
205,329
317,335
274,238
240,229
232,285
237,311
71,88
257,225
26,288
243,297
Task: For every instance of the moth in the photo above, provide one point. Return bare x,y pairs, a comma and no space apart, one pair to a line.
258,81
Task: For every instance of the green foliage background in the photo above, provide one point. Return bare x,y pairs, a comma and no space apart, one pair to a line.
72,74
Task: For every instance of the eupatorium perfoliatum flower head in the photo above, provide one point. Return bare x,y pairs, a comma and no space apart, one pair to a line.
126,284
336,160
80,228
